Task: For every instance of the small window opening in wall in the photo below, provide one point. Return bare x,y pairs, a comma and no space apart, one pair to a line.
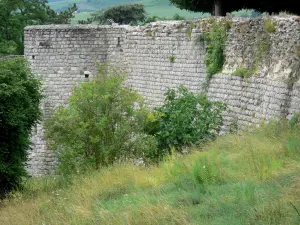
119,42
87,74
33,57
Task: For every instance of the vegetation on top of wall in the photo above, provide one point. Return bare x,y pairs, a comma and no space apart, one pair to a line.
269,25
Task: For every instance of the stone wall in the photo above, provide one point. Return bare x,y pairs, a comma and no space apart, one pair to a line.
61,55
249,100
163,55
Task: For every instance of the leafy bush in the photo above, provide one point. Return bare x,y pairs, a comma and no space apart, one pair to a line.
19,110
186,119
103,123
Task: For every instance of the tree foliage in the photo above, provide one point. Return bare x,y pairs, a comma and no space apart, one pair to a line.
103,123
19,111
16,14
233,5
123,14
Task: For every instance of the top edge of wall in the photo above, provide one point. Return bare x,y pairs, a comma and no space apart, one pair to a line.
158,23
77,26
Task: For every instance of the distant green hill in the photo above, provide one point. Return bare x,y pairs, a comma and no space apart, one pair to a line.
161,8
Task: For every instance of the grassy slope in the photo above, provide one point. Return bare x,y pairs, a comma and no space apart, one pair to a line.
237,179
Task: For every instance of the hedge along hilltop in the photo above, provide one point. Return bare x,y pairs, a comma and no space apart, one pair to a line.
258,81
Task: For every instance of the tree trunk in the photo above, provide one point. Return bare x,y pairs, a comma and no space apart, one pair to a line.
218,8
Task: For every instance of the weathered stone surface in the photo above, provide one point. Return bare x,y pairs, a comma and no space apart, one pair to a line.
164,55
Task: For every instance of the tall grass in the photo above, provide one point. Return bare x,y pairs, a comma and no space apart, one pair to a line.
248,178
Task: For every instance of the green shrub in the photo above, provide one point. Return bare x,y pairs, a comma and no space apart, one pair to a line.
102,124
19,110
216,38
269,25
187,119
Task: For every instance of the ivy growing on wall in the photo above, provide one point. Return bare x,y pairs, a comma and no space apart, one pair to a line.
216,38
